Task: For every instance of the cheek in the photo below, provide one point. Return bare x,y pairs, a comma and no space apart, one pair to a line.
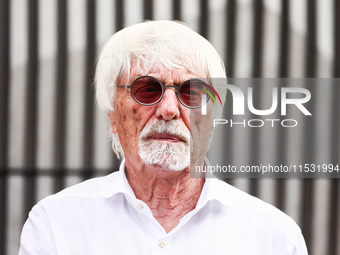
125,114
201,124
188,117
131,119
136,114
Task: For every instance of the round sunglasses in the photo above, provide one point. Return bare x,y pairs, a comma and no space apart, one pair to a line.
148,90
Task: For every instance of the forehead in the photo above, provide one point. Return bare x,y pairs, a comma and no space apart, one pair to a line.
164,73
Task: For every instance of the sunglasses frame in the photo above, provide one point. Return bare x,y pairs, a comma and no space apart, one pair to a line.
163,90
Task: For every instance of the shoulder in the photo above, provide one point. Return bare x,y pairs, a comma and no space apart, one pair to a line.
89,188
251,207
257,220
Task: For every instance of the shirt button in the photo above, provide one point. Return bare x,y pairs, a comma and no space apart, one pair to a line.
139,207
162,244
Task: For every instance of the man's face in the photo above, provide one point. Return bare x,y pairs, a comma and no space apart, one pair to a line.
161,134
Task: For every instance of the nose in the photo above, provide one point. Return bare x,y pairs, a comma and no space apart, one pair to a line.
168,107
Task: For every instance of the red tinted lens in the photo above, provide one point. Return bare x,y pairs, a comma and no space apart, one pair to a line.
191,92
146,90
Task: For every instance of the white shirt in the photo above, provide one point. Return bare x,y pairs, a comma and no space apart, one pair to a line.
103,216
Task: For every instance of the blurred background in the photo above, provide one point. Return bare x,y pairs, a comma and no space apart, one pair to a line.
52,135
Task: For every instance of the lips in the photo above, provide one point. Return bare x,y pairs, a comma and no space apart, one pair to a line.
166,138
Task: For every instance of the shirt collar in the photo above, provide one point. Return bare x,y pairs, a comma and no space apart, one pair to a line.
213,189
118,184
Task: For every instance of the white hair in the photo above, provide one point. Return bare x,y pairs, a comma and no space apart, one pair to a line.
170,43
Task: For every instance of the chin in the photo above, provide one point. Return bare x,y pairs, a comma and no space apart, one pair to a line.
172,157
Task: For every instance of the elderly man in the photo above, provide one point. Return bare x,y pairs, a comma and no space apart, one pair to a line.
150,81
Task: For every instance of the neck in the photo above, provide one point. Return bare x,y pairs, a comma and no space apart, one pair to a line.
169,194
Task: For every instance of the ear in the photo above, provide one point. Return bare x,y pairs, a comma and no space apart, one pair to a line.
113,122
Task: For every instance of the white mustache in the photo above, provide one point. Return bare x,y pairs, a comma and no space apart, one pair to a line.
171,127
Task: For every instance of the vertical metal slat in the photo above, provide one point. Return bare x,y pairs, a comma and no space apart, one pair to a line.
255,137
284,40
60,106
176,10
228,136
89,90
283,73
4,107
31,107
311,51
334,205
204,19
258,38
119,24
119,14
230,62
310,71
257,72
148,9
230,37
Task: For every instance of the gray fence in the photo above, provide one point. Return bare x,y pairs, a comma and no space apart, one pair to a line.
53,136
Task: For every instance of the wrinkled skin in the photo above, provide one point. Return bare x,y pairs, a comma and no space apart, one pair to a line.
169,194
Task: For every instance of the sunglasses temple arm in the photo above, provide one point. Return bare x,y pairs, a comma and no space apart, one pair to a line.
124,86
